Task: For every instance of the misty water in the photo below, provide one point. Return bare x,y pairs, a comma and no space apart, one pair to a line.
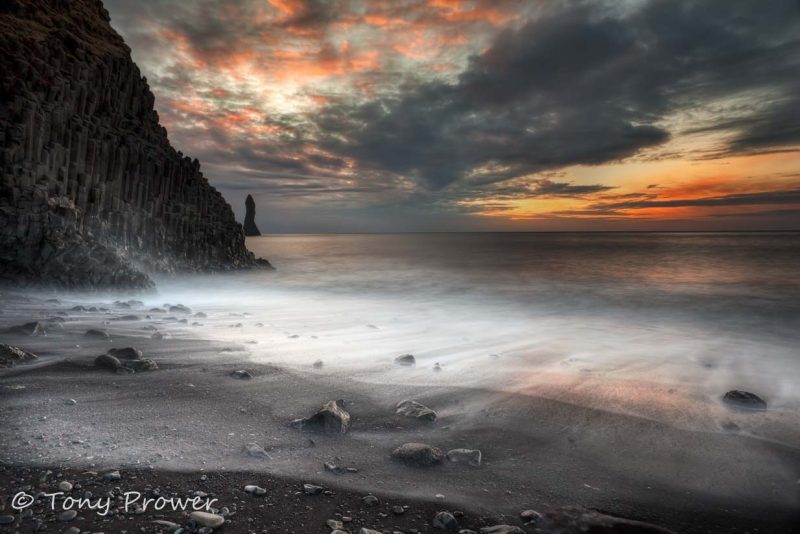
657,325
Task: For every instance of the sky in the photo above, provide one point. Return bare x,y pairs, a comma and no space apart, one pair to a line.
482,115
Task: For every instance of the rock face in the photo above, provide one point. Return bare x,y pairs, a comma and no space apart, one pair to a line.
250,228
92,192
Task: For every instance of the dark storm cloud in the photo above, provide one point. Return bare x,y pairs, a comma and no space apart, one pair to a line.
788,196
584,84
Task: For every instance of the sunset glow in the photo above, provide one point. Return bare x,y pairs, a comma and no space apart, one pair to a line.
479,115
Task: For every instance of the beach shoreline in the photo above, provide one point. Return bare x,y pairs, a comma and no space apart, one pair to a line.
191,416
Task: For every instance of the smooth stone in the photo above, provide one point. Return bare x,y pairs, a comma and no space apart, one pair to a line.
144,364
334,525
179,308
126,353
468,456
107,361
317,364
67,515
411,408
418,454
95,333
254,490
241,374
206,519
445,521
363,530
333,468
744,399
370,500
65,486
112,475
398,510
406,360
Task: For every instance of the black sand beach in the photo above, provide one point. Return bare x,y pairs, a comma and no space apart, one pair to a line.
169,426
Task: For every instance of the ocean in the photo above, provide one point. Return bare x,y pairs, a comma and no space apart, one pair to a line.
695,313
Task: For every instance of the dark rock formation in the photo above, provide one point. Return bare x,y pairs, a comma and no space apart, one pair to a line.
332,418
418,454
250,228
92,192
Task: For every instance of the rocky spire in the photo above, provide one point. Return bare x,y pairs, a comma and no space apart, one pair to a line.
92,193
250,228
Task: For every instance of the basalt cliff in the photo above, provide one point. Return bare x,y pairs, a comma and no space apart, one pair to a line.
92,192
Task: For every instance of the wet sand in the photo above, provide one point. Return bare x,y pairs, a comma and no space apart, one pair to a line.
542,449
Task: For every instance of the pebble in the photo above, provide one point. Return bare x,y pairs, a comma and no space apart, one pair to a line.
72,530
502,529
419,454
70,402
255,490
406,360
529,516
370,500
207,519
398,510
67,515
468,456
334,525
311,489
65,486
242,374
112,475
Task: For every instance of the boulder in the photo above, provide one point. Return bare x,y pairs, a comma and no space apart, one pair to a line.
418,454
332,418
411,408
11,355
179,308
143,364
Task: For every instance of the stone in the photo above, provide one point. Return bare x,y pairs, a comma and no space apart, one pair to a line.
437,367
445,521
398,510
334,524
744,399
158,335
411,408
467,456
502,529
363,530
370,500
255,490
67,515
107,361
65,485
34,328
11,355
530,516
406,360
418,454
207,519
95,333
250,228
112,475
256,451
318,364
311,489
242,374
179,308
331,418
127,353
330,467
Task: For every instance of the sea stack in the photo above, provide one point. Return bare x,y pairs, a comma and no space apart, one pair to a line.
92,193
250,228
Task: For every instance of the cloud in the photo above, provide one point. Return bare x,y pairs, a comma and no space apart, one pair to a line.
432,103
